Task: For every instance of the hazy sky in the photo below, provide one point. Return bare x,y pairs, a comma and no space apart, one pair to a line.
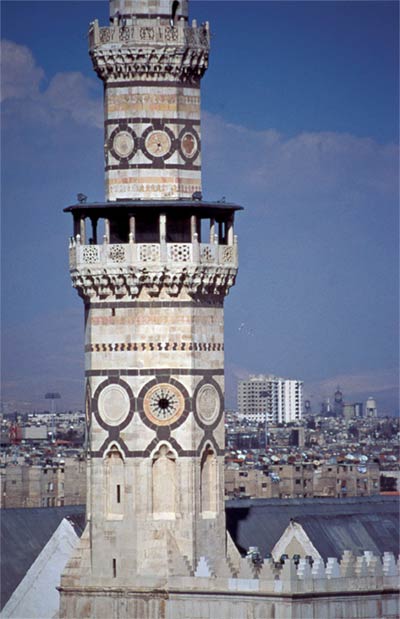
299,125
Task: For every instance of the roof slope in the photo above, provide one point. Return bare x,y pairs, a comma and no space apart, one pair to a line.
333,525
331,535
36,597
24,533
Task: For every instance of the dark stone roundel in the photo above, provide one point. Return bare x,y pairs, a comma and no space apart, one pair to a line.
208,402
113,404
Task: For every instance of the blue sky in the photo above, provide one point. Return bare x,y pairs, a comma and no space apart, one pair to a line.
300,125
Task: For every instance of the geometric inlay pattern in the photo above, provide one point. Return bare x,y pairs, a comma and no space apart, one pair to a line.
163,404
180,252
227,254
90,254
149,252
117,253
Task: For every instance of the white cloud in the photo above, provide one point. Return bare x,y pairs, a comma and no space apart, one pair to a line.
71,93
68,95
20,76
319,166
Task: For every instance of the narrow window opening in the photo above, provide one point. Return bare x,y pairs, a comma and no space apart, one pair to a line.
115,477
114,568
113,311
208,486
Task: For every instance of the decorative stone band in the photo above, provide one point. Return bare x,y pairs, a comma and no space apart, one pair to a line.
128,281
147,50
155,347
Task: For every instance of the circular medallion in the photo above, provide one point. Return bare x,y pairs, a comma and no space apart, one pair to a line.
123,144
189,144
163,404
114,404
158,143
207,403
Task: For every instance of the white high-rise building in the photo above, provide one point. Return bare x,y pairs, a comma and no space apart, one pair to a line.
271,398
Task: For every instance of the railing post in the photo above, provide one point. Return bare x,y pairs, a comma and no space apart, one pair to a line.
82,230
163,237
106,231
235,250
132,229
196,248
212,230
193,227
229,225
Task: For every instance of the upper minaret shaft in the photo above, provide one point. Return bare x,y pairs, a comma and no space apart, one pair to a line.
151,63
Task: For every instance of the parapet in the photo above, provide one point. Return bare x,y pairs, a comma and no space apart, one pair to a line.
364,573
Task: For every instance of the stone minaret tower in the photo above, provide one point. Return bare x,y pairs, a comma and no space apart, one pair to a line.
153,264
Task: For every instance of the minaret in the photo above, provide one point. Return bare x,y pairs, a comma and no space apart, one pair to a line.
151,62
153,264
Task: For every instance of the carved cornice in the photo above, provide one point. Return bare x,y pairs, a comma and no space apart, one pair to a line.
128,282
168,62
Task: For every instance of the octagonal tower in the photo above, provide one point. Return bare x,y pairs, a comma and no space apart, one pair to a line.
153,264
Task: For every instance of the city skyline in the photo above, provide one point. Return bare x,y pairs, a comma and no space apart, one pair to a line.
299,125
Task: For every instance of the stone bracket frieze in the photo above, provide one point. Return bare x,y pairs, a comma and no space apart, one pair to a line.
128,282
167,62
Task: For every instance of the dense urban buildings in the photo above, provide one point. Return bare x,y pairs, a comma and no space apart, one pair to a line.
339,457
270,399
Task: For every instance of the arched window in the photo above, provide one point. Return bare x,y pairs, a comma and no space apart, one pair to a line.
164,483
115,484
209,482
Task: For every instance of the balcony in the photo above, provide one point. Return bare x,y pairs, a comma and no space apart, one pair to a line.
147,32
152,254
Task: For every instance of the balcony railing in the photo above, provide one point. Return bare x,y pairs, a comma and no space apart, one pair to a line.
149,33
142,254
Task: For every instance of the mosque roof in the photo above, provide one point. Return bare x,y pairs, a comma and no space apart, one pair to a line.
24,533
332,525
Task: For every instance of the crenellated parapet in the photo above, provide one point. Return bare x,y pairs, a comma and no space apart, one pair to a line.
368,572
266,591
149,49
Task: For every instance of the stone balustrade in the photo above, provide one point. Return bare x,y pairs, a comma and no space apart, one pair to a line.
142,254
124,270
150,33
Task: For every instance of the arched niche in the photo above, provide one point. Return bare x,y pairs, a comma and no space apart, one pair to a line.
163,477
115,483
208,482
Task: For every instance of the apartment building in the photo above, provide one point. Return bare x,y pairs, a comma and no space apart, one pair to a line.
303,480
24,485
270,399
